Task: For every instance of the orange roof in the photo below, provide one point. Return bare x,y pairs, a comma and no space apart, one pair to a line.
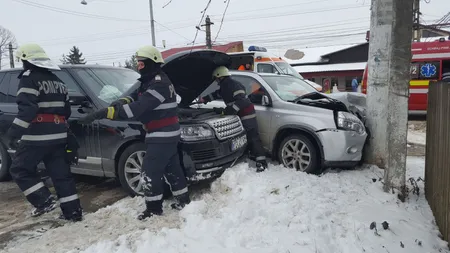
222,48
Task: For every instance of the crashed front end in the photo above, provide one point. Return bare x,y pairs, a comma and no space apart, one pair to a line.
342,146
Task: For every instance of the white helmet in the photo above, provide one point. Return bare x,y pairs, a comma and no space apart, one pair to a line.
221,71
34,54
150,52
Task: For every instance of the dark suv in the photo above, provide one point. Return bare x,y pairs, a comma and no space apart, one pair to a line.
210,143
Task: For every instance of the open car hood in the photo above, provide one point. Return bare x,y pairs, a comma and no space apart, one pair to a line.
191,71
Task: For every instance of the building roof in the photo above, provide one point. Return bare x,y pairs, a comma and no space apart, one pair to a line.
330,67
314,54
222,48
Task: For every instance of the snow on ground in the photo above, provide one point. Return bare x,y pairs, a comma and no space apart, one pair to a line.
417,137
275,211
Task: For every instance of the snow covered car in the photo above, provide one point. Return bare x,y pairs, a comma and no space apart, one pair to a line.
300,127
209,143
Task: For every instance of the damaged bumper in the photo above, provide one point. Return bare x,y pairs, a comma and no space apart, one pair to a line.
341,148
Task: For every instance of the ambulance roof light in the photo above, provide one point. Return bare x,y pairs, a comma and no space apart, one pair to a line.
257,49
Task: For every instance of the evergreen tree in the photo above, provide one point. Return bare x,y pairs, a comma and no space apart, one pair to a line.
131,63
74,56
63,59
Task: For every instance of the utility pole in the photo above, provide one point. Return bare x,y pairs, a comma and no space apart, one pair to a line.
416,20
208,24
152,22
388,89
11,55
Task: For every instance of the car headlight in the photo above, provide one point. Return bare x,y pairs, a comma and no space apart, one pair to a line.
348,121
196,132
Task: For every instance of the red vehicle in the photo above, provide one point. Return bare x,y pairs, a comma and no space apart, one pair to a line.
429,61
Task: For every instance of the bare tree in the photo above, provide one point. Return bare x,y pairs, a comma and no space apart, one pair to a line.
6,37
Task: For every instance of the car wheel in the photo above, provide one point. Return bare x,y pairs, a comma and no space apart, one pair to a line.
5,163
298,152
129,170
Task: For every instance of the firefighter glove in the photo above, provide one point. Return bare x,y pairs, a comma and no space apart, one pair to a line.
120,101
205,100
218,110
13,143
106,113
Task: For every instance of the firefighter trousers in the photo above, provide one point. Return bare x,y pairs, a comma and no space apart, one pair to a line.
162,161
23,171
255,145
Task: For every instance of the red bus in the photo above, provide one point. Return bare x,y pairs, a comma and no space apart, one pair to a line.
429,61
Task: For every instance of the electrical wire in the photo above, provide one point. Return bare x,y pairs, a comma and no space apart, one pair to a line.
75,13
200,23
172,30
221,22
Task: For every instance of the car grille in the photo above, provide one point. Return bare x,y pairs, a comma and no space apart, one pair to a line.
226,127
203,154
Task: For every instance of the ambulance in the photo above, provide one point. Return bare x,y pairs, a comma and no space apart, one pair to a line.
430,60
263,62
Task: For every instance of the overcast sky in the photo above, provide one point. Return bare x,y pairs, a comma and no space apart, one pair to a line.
108,31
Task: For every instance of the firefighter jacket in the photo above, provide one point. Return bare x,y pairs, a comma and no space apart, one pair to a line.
154,104
234,96
44,108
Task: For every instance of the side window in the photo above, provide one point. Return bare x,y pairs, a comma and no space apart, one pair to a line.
4,85
253,88
72,86
266,68
13,85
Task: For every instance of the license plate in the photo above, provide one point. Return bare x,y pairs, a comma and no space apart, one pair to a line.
238,142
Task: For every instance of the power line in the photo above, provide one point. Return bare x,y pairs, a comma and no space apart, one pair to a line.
172,31
75,13
200,23
221,22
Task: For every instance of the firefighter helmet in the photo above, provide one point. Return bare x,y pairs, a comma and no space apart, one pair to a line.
221,71
34,54
149,52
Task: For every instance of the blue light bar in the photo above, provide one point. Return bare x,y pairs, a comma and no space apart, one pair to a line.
257,49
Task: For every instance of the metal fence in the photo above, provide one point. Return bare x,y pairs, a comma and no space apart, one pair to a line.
437,158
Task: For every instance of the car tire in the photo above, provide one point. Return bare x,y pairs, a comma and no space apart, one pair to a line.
304,144
124,169
5,164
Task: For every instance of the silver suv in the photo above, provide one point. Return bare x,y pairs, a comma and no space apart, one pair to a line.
300,127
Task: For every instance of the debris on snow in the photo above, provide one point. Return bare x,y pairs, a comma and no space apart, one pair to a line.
326,214
385,225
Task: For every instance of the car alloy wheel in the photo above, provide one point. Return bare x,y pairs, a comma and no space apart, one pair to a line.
133,168
296,155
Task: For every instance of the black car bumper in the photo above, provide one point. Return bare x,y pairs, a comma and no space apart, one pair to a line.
208,159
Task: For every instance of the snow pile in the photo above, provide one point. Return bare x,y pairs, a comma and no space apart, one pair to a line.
275,211
417,137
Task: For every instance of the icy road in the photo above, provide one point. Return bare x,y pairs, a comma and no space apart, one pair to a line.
276,211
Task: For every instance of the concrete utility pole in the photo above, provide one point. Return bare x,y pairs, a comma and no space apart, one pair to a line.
152,23
208,24
388,89
416,20
11,55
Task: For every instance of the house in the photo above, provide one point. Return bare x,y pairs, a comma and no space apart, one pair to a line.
237,46
331,65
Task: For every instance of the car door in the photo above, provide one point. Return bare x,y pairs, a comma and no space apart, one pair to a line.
8,107
255,90
87,135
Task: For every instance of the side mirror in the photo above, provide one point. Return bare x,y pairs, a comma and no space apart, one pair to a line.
265,100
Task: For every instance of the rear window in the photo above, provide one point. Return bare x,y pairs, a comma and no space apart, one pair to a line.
3,88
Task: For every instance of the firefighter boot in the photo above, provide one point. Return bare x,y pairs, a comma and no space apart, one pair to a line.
181,201
153,208
75,216
48,206
261,166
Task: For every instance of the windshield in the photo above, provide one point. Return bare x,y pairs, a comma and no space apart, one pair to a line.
108,84
288,88
288,69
